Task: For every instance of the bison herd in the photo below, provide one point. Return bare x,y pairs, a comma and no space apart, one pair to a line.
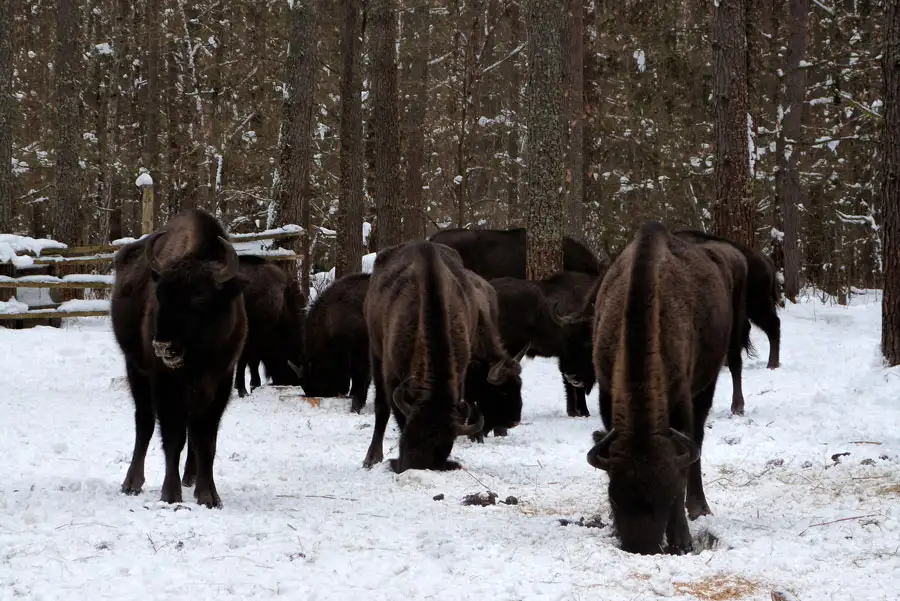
440,327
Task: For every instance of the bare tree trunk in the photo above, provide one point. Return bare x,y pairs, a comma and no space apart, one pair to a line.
292,199
545,169
791,131
68,133
350,203
513,176
382,22
890,307
7,29
733,211
573,86
154,36
415,68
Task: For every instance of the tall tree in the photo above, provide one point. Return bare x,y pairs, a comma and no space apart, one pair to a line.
544,150
573,111
154,37
415,71
383,35
733,210
890,190
350,203
790,192
68,125
7,29
291,205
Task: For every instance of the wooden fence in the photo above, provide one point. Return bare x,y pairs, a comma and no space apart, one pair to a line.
56,267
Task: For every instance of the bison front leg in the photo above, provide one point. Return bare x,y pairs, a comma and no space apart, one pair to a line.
361,376
240,384
696,498
190,465
144,424
204,434
255,380
174,433
382,416
678,533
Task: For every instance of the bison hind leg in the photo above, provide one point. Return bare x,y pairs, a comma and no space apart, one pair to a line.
190,466
144,424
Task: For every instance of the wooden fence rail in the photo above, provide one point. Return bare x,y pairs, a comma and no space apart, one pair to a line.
49,259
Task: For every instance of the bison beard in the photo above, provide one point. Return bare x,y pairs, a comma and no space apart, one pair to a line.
178,316
665,315
422,316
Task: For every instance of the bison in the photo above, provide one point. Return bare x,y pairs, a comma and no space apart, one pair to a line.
501,253
664,322
422,316
526,320
337,342
763,296
275,315
178,316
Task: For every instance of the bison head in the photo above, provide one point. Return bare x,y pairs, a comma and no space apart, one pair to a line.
194,304
576,354
646,483
497,390
432,425
325,375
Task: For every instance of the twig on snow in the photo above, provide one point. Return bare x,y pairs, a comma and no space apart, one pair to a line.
855,517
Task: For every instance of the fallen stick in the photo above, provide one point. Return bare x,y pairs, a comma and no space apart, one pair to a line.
855,517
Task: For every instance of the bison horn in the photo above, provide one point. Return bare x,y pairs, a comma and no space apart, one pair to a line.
569,319
692,453
297,370
152,261
469,429
521,354
497,374
596,456
400,400
231,263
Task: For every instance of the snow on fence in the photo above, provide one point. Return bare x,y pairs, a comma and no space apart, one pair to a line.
21,253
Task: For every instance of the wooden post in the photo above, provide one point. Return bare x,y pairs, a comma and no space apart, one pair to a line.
145,183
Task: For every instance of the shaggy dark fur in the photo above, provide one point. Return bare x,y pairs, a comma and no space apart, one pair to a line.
664,322
422,315
526,321
337,342
763,292
178,315
275,315
501,253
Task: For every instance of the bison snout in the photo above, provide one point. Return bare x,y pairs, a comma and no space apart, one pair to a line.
573,380
165,352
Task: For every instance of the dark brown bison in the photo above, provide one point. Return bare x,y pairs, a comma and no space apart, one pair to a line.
501,253
337,342
178,315
526,321
763,296
422,316
275,316
664,322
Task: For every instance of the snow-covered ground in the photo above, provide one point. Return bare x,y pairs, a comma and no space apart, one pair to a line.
302,519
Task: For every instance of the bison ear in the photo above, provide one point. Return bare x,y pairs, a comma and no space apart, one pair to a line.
235,285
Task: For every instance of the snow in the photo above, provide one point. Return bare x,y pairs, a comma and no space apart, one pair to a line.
49,279
12,306
303,519
143,180
11,245
641,60
366,230
103,49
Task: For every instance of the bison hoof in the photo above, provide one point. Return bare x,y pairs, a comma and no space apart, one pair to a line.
171,496
500,432
372,458
188,479
241,393
696,508
209,499
131,491
775,365
680,549
356,406
479,438
450,466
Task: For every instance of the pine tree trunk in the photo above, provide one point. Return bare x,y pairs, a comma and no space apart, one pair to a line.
890,308
292,200
352,160
573,86
733,211
417,51
383,35
7,29
68,125
154,37
544,151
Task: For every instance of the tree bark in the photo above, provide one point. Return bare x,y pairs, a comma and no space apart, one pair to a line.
733,211
415,69
154,37
544,152
68,130
791,131
383,27
890,190
7,30
350,202
573,86
292,199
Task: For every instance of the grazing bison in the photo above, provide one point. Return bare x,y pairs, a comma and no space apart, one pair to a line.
526,320
762,291
275,311
337,342
501,253
178,315
422,316
664,322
